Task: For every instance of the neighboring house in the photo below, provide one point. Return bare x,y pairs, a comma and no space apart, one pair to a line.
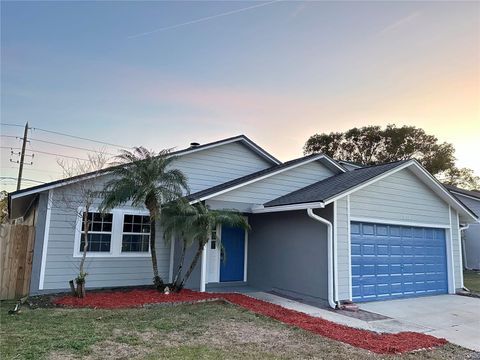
470,235
318,230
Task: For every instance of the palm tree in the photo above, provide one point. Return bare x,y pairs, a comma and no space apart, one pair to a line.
194,223
146,179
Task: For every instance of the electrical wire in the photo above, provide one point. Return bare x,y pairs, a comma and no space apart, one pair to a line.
79,137
2,178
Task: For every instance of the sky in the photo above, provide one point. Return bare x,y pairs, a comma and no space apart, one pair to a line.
164,74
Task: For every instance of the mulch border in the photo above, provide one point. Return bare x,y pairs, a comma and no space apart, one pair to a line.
382,343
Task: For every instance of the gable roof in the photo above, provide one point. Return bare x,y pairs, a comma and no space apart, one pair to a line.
240,138
335,187
470,193
259,175
329,187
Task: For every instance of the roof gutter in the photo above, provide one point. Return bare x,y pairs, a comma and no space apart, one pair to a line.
262,209
331,266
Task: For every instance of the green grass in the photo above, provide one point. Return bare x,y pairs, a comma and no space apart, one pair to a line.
213,330
471,280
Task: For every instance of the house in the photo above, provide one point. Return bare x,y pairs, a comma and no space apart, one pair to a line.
471,233
319,229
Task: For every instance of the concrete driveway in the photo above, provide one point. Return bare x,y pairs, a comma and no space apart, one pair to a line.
453,317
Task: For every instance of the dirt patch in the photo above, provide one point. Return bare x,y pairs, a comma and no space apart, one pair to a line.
107,350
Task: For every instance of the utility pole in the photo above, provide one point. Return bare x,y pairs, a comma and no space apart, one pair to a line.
22,156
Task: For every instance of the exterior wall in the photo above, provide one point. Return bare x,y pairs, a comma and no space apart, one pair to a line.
274,186
471,236
287,251
193,281
38,246
341,234
207,168
203,169
398,198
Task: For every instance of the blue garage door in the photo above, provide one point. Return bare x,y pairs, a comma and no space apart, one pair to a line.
390,261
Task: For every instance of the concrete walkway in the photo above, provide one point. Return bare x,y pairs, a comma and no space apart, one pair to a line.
455,318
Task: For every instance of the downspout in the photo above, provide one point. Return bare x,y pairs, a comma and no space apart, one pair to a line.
462,240
331,265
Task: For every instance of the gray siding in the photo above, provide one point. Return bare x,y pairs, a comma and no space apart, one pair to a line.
274,186
203,169
398,197
287,251
471,236
207,168
456,250
342,237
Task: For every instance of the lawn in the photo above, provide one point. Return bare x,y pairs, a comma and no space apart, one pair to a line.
471,280
209,330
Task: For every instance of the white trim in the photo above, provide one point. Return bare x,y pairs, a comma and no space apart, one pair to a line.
303,206
349,240
45,240
450,259
286,168
116,235
203,269
245,256
396,169
172,258
460,251
335,251
398,222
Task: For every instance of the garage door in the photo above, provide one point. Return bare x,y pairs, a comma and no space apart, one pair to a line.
391,261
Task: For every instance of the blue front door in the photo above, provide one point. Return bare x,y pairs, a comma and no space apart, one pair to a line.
233,254
391,261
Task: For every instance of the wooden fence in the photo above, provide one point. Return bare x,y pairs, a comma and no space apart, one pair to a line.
16,254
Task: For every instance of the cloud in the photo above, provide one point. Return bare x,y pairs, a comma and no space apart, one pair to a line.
399,23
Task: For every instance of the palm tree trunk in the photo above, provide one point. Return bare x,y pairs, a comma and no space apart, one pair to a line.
201,245
157,280
180,266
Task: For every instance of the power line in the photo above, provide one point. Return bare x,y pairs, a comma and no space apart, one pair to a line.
36,170
17,125
71,146
81,138
46,153
23,179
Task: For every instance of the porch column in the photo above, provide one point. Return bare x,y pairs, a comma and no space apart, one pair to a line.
203,270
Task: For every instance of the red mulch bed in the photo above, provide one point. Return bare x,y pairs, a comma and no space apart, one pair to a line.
379,343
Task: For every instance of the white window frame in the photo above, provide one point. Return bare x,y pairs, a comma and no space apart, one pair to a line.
122,214
116,234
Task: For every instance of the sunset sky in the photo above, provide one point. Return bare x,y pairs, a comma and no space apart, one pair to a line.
163,74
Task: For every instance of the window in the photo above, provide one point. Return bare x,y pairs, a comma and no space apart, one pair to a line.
213,237
99,232
136,233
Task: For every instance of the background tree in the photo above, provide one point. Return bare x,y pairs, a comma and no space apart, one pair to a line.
371,145
460,177
193,224
79,198
145,178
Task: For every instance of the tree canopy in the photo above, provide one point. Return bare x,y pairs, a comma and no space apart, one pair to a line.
371,145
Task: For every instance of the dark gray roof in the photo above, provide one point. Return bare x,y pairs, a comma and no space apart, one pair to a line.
472,193
200,194
327,188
